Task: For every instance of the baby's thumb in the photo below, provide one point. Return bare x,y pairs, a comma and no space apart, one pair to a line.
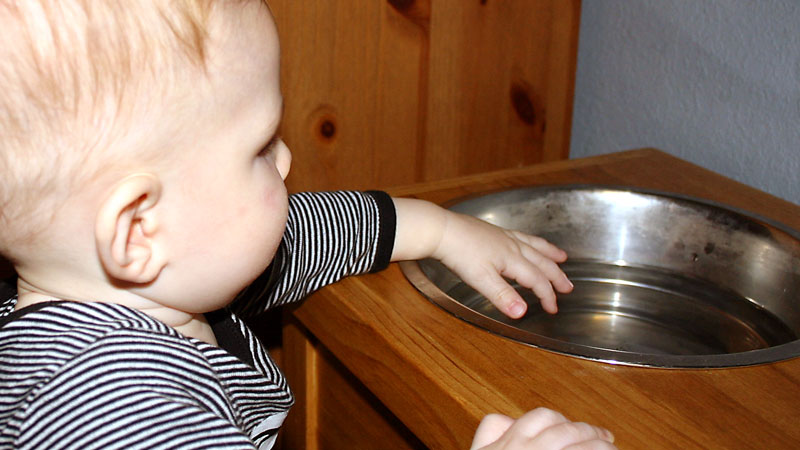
491,428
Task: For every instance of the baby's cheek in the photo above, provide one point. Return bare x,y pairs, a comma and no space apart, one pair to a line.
273,216
276,204
239,213
274,192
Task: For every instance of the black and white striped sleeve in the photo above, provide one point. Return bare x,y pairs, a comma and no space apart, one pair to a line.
329,236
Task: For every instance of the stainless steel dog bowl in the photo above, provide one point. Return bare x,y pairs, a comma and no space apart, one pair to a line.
660,280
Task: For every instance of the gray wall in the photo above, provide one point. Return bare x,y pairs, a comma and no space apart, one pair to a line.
715,82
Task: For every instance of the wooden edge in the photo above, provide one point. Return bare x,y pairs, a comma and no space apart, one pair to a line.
563,54
450,183
300,360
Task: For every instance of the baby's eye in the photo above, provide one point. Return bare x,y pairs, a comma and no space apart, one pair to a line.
269,146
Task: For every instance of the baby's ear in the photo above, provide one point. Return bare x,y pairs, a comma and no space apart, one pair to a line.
125,228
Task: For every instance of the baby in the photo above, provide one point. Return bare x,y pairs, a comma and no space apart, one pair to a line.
144,210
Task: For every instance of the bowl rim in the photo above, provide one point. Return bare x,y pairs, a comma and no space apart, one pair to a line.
413,272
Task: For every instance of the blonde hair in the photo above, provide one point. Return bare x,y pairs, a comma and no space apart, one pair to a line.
69,71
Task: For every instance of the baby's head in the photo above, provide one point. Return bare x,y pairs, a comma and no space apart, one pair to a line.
139,146
75,75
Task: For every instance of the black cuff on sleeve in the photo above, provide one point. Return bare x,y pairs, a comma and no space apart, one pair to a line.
388,226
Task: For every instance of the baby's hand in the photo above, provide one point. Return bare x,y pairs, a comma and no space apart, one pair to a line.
539,429
480,253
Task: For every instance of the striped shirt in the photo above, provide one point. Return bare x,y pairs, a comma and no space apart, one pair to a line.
105,376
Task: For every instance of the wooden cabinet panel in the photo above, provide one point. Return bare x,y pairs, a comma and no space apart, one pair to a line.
334,410
390,92
490,103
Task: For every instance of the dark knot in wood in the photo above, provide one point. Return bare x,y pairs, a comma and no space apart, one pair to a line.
417,11
523,104
327,129
401,5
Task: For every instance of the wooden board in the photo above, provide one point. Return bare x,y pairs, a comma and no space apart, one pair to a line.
334,410
382,93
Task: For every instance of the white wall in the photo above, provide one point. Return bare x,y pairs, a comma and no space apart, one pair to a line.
716,82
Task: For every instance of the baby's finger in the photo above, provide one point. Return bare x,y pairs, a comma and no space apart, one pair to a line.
490,429
549,268
543,246
570,434
531,277
499,293
597,444
534,422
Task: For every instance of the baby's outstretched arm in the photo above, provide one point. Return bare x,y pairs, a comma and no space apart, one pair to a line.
539,429
481,254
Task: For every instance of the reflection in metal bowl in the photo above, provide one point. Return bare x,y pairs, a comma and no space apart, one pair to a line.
660,279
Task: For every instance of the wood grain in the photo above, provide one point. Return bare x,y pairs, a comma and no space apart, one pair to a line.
333,409
382,93
440,375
